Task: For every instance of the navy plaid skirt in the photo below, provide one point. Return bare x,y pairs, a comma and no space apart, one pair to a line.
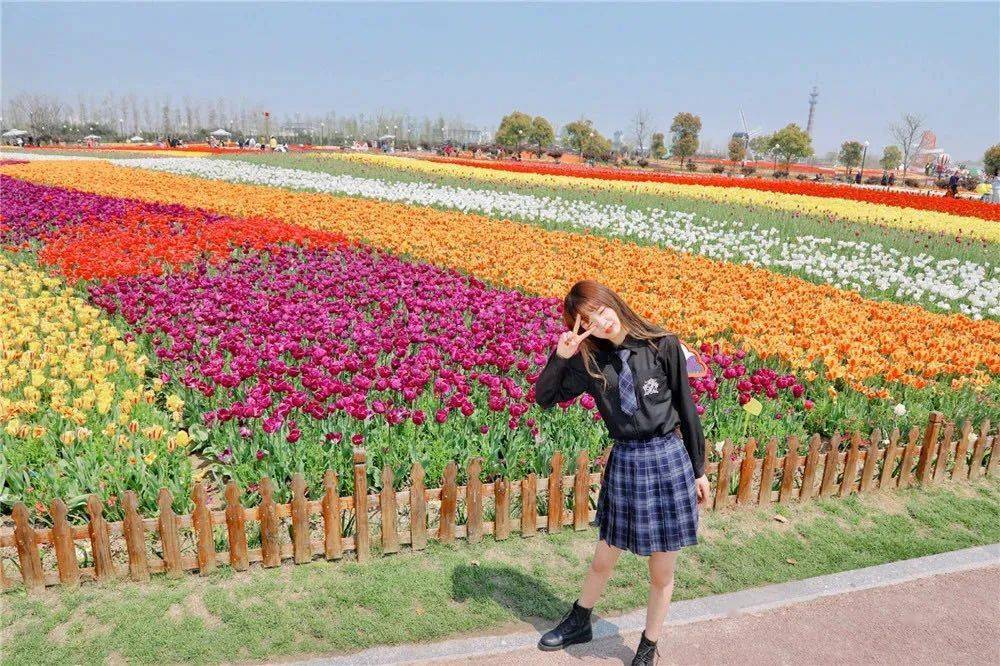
648,502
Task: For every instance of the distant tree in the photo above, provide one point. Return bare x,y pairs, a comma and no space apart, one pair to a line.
580,135
542,135
515,128
904,133
761,144
656,147
640,127
737,150
891,158
685,128
791,143
850,155
991,160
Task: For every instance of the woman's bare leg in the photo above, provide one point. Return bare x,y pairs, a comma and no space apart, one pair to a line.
601,567
661,588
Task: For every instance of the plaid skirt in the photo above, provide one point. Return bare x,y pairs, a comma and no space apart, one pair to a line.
648,502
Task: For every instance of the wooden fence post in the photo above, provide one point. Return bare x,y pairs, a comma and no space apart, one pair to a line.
961,467
449,502
27,550
993,455
927,449
722,478
976,465
581,492
474,502
362,533
418,508
767,472
100,540
236,529
64,545
890,460
201,520
170,541
788,470
529,505
135,538
944,451
267,515
301,548
851,465
746,472
555,493
872,454
830,467
501,497
809,473
906,466
333,545
387,511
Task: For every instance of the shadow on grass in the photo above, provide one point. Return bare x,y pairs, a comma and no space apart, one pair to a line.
531,600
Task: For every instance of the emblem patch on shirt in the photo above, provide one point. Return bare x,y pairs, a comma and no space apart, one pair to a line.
650,387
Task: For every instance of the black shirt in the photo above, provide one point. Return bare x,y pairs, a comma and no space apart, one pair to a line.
661,384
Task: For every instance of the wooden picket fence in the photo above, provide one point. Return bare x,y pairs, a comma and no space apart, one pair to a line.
739,478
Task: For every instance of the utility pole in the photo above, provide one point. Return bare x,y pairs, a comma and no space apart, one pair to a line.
813,95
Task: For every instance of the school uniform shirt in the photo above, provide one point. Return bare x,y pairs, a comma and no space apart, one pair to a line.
661,386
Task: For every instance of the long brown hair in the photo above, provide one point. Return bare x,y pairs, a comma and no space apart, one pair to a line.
594,294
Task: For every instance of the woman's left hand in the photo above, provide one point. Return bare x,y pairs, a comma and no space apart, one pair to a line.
702,488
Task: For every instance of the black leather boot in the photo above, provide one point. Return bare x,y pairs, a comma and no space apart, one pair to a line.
645,653
575,628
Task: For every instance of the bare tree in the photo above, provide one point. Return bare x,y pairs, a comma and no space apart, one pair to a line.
41,113
640,126
904,133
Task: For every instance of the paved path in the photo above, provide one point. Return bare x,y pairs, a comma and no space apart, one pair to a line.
940,609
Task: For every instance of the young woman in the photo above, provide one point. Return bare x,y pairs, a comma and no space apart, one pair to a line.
654,480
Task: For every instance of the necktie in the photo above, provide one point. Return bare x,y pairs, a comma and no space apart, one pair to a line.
626,385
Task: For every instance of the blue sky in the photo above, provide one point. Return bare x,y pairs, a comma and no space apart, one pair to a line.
479,61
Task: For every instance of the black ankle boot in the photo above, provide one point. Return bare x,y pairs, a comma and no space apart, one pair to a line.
575,628
645,652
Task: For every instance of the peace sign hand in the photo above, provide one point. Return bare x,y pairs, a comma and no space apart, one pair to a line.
569,341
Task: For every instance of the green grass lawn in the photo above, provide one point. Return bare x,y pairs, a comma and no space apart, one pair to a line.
447,590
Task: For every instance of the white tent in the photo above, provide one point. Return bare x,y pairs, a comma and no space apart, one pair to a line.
221,132
137,139
92,137
14,132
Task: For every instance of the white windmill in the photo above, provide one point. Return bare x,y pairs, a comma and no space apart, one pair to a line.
747,133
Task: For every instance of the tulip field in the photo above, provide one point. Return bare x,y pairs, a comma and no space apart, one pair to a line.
172,319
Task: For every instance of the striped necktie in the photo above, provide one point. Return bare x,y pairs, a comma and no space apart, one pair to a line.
626,385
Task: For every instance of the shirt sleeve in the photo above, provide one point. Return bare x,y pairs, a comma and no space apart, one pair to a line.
694,438
558,381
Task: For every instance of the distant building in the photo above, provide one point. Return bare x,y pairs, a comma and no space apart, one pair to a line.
468,136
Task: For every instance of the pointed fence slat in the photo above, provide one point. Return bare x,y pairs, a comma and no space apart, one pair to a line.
830,468
170,540
891,453
743,491
808,488
267,514
362,531
723,477
976,465
529,506
418,508
63,544
27,550
501,497
851,465
944,451
872,454
767,472
201,520
555,493
961,468
909,453
236,528
581,492
100,540
135,538
474,501
388,512
928,448
333,544
301,547
991,468
449,502
788,470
